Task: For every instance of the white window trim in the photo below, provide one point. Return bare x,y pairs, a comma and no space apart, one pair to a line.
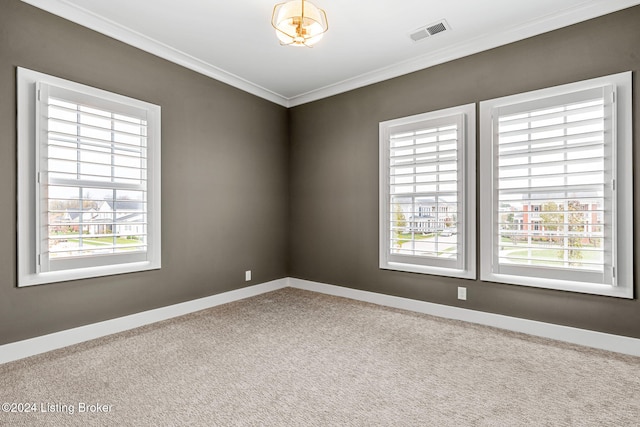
623,237
467,198
28,275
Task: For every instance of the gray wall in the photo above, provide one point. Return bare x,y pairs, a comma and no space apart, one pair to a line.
334,169
224,178
250,185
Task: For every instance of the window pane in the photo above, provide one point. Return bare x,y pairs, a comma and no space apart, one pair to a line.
427,193
424,161
556,186
95,221
551,186
86,191
92,145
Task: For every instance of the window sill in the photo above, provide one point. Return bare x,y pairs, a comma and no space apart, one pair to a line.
436,271
85,273
561,285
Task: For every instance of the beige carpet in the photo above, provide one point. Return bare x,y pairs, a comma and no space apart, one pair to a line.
296,358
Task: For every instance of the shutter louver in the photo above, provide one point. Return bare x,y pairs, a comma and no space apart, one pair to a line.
94,179
424,192
553,177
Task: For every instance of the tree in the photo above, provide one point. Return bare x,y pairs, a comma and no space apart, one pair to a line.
575,224
398,216
510,217
552,218
88,203
569,222
400,221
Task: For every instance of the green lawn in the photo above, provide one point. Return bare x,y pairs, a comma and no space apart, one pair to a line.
417,236
553,255
102,241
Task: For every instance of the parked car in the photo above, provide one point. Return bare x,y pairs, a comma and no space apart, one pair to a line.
448,232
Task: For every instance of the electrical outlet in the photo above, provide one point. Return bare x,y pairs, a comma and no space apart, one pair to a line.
247,275
462,293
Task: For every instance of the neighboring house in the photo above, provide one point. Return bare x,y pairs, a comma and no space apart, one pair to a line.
126,215
88,220
528,219
428,216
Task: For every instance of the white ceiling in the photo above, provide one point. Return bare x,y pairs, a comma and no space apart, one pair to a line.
367,41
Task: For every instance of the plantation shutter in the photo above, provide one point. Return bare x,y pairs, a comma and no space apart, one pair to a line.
425,191
93,180
554,183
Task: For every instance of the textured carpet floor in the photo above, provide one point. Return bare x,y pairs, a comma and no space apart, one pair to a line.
296,358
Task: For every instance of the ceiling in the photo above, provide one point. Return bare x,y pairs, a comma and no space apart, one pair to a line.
367,41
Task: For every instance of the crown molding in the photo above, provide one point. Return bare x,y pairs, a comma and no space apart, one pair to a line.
586,10
126,35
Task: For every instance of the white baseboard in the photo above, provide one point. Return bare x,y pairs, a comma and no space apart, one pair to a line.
42,344
568,334
30,347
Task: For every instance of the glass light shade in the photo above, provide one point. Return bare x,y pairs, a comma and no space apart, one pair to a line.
299,23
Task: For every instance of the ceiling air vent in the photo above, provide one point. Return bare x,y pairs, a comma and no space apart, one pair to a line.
429,30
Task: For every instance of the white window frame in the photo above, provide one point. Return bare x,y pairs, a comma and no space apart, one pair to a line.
465,266
30,216
621,189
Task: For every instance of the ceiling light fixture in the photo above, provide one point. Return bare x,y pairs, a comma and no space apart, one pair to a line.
299,23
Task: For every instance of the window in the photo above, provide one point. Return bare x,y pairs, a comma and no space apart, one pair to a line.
556,188
427,193
88,181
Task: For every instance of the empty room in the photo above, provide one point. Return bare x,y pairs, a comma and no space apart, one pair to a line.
292,213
